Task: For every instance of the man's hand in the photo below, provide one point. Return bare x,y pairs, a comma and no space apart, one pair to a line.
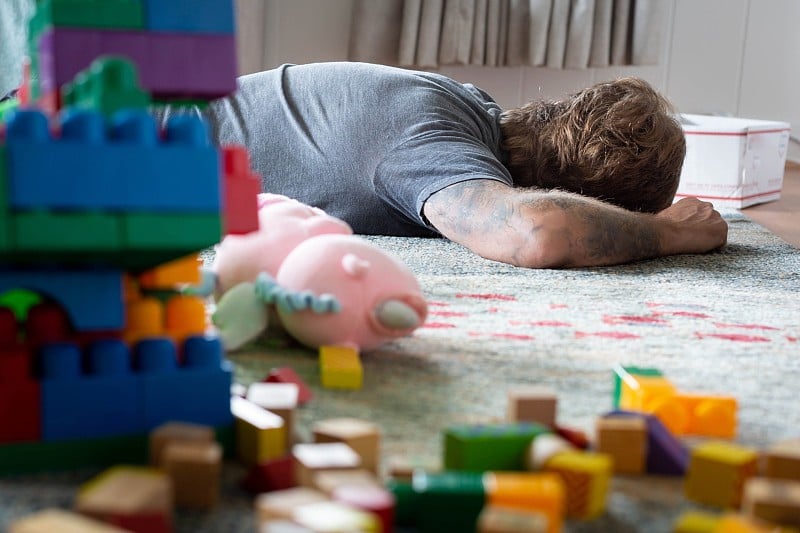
691,226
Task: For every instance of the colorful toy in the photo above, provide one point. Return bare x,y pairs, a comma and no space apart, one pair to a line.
773,500
194,469
717,473
624,439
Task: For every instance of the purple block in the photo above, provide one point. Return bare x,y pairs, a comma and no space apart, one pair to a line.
666,455
169,64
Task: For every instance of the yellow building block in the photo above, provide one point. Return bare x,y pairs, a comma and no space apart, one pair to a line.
340,367
696,522
542,492
717,473
183,271
260,435
639,392
587,477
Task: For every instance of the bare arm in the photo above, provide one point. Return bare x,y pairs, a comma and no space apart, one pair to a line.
553,229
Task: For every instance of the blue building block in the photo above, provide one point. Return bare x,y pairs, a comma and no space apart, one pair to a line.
202,16
198,390
93,299
121,166
103,402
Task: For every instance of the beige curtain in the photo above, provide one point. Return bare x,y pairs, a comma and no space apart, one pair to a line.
571,34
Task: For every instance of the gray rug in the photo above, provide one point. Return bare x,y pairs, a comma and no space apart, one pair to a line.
726,322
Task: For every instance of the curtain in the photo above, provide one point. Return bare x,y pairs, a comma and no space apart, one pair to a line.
572,34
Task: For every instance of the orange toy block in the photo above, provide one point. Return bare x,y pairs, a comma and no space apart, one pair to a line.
173,432
773,500
51,520
144,318
310,459
541,492
717,473
135,498
194,468
782,460
532,404
185,316
696,414
184,271
624,439
496,519
639,391
280,504
362,436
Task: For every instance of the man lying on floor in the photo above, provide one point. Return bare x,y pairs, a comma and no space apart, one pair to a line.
584,181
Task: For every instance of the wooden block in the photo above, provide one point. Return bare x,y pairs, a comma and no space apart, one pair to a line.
540,492
283,526
362,436
334,516
275,474
280,504
782,460
532,404
136,498
587,477
279,398
718,471
773,500
61,521
624,439
312,458
542,448
260,434
177,432
286,374
496,519
327,481
373,499
194,469
340,367
402,468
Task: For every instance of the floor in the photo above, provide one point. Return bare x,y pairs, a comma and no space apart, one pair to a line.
782,217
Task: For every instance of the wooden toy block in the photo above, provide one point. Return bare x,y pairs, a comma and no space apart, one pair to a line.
478,448
624,439
283,526
310,459
173,432
340,367
260,435
772,500
278,398
543,493
50,520
280,505
666,455
717,473
532,404
330,517
782,460
328,481
134,498
372,499
402,468
542,448
574,436
275,474
361,435
587,477
496,519
286,374
194,468
739,523
696,522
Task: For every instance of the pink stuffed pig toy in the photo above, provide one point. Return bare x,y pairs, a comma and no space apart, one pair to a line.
328,287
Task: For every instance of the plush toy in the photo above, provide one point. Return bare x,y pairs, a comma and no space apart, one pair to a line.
325,285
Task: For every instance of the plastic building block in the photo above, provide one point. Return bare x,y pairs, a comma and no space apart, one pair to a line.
60,520
718,472
185,270
623,374
489,447
20,301
666,455
119,14
495,519
772,500
197,65
624,439
105,401
146,507
340,367
197,390
145,318
361,435
194,468
46,322
203,16
372,499
173,432
20,395
532,404
286,374
587,477
274,474
541,492
92,298
78,233
110,84
782,460
118,165
260,435
241,191
185,316
447,501
335,516
312,458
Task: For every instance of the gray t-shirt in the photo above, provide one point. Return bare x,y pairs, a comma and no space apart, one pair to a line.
367,143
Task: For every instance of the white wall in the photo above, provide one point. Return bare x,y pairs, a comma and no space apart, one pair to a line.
737,57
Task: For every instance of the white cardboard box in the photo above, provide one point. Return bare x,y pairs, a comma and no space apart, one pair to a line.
733,162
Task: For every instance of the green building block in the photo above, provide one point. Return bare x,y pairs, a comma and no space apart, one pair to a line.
619,375
109,84
45,232
448,501
406,506
20,302
183,232
489,447
108,14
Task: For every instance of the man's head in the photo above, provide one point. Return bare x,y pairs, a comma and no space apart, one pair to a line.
616,141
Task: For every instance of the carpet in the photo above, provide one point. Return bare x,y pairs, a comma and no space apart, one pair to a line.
727,322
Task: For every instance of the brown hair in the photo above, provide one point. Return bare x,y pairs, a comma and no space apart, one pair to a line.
617,141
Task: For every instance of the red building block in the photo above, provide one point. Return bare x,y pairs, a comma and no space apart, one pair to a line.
20,397
287,374
241,190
